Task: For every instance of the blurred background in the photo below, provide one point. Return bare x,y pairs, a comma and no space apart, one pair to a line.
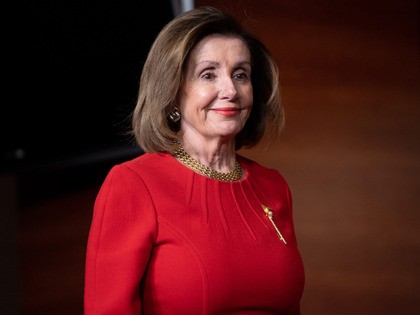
349,73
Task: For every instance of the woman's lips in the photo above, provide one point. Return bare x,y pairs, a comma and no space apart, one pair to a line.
227,111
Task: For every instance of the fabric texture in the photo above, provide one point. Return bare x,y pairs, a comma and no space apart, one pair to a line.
166,240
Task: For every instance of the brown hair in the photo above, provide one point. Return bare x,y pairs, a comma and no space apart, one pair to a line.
163,75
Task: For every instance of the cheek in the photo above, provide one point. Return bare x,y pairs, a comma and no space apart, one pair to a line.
249,100
246,93
250,94
203,94
246,115
196,98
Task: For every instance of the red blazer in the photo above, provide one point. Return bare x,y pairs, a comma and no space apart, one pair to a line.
166,240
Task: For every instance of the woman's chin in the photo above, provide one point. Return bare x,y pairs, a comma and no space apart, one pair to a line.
228,131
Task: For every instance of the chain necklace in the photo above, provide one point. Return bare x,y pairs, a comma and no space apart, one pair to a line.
202,169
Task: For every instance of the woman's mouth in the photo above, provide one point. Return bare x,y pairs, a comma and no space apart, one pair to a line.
227,111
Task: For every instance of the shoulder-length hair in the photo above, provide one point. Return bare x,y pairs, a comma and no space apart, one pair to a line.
163,76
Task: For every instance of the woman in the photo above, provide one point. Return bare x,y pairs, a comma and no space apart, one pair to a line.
191,227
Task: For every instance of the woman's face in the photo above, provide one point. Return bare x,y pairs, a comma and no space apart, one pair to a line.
216,98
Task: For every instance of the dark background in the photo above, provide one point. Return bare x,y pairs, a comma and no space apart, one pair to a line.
75,67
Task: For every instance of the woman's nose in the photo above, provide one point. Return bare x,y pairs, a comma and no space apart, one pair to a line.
227,88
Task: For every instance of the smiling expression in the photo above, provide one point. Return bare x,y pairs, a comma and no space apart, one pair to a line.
216,98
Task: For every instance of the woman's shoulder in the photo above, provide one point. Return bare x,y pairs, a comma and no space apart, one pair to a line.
146,159
141,171
261,172
144,164
253,165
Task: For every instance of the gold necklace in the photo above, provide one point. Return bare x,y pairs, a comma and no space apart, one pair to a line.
202,169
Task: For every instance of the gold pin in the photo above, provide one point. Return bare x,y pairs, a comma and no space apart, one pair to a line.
269,214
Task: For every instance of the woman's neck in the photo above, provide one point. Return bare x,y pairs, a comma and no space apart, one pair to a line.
217,153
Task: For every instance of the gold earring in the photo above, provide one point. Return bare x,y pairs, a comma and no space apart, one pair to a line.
175,114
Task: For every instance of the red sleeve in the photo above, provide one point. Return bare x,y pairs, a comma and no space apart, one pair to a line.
120,241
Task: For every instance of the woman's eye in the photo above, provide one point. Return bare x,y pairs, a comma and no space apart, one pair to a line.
241,76
207,76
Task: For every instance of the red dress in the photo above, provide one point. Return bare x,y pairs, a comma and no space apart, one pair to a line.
166,240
